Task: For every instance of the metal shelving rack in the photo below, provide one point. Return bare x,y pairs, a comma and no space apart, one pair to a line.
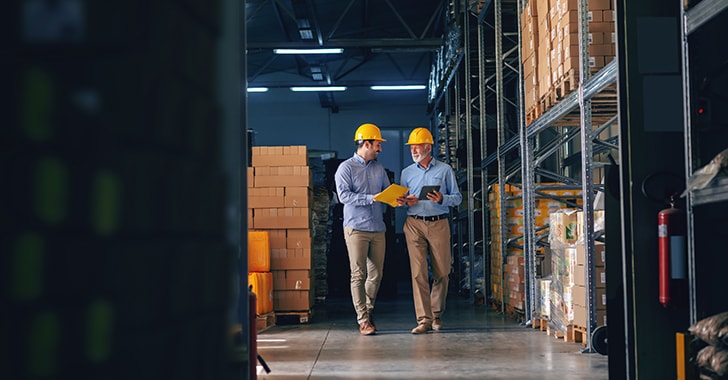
520,154
697,16
531,155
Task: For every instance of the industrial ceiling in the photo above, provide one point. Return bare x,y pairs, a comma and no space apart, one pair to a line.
384,42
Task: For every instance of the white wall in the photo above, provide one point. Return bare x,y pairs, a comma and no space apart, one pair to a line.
283,117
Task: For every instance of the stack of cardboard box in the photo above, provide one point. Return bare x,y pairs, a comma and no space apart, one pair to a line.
511,290
279,202
580,293
550,49
569,292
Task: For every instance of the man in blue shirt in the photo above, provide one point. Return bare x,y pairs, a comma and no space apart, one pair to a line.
427,229
358,180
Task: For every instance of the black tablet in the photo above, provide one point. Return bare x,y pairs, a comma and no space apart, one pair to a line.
426,190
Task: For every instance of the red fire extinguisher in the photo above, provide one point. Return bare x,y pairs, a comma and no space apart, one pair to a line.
671,239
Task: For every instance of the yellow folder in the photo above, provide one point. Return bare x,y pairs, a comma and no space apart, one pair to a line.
390,194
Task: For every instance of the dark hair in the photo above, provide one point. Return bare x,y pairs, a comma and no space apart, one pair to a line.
360,143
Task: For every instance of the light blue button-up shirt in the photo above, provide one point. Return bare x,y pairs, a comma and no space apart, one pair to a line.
438,173
356,184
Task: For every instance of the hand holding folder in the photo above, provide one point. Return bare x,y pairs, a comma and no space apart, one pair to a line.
390,194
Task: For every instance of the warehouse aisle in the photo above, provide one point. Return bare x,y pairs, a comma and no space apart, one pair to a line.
476,343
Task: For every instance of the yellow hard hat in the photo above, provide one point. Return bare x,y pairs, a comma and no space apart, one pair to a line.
368,132
420,136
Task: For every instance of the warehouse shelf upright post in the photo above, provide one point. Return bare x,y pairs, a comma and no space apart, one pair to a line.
482,194
528,195
469,178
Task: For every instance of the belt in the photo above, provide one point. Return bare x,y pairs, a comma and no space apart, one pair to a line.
430,218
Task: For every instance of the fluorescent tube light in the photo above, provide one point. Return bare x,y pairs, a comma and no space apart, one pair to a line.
309,51
257,89
319,88
406,87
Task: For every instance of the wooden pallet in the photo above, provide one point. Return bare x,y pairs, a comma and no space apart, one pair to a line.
579,335
540,324
265,321
566,84
547,101
514,313
291,316
556,333
533,114
569,336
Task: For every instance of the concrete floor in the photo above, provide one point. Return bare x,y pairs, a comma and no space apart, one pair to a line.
476,343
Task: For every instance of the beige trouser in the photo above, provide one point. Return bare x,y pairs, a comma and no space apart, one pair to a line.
433,239
366,261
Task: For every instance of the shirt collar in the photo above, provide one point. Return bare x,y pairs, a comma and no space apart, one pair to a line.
432,163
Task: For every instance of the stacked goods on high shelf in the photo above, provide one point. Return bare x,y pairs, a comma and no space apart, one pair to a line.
569,294
550,49
279,203
510,288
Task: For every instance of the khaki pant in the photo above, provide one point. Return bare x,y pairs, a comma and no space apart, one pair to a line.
428,239
366,261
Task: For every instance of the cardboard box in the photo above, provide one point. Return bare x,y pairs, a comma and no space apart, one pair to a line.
541,9
296,258
277,239
598,5
599,255
515,273
298,238
608,16
600,276
601,49
283,176
594,16
563,226
578,294
251,173
604,27
298,197
597,38
292,279
544,298
296,155
292,300
278,218
266,197
580,318
529,66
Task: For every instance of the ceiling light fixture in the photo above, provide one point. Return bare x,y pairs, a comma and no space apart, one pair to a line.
309,51
319,88
404,87
257,89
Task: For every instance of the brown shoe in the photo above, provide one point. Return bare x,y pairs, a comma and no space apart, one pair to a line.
437,324
421,328
366,328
